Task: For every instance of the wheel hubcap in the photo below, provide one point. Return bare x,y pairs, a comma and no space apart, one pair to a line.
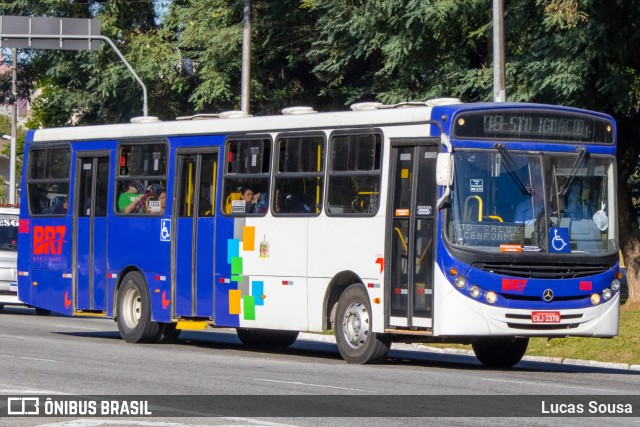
132,306
355,325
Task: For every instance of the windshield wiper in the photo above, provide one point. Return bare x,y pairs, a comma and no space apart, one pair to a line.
512,168
582,153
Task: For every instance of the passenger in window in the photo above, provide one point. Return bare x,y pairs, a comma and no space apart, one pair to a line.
129,197
254,202
290,202
133,200
59,205
158,204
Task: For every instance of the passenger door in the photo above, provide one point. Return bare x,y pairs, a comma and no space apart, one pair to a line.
90,235
410,233
193,254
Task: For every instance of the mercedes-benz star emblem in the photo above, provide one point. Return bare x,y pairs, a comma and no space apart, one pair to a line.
547,295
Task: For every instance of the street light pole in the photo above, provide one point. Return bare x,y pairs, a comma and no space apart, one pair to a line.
14,130
246,57
499,89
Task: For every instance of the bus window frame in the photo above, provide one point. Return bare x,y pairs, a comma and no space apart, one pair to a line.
243,176
375,132
29,180
276,174
119,179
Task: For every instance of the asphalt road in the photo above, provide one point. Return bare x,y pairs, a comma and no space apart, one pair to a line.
60,356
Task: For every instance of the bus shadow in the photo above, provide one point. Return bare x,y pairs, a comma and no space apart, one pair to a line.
112,335
468,362
305,348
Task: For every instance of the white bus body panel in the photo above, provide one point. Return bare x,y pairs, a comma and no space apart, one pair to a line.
458,315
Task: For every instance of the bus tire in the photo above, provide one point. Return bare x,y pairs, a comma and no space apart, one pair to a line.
42,311
266,339
1,307
500,352
134,310
356,342
168,333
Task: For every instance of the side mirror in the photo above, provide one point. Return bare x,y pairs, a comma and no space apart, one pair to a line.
444,169
444,176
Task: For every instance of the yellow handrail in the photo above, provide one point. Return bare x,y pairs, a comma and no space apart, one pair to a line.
406,249
466,206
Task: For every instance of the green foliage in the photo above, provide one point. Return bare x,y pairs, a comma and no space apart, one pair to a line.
397,50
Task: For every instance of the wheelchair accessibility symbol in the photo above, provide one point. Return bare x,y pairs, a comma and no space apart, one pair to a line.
165,230
559,240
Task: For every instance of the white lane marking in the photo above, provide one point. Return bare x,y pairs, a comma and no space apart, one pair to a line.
12,388
589,388
39,360
92,422
309,385
83,327
14,337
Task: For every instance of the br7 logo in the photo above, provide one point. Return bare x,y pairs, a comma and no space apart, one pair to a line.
48,239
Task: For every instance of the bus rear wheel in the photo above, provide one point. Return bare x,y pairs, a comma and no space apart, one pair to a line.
134,310
356,341
266,339
500,352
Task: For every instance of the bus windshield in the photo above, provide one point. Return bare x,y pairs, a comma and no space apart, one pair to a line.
512,201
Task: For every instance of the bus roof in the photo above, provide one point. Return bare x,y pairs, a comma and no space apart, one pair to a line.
364,114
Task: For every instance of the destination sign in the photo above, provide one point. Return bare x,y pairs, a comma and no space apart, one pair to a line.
489,233
533,125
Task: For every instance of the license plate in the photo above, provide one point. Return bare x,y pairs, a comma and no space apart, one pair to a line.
545,317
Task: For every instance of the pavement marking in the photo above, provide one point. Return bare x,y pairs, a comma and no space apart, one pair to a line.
309,385
586,387
14,337
39,360
16,389
84,327
93,422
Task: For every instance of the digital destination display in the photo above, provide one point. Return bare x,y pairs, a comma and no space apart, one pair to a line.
533,125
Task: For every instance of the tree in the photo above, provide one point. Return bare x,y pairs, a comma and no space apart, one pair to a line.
576,53
208,36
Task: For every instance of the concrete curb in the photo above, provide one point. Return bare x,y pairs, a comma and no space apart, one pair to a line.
425,348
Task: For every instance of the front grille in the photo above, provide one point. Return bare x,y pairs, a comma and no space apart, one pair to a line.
538,298
537,327
541,271
8,293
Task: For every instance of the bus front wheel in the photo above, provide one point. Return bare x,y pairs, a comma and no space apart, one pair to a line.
356,341
134,310
500,352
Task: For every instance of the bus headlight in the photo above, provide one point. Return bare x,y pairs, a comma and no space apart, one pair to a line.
606,293
460,282
474,291
615,285
595,299
491,297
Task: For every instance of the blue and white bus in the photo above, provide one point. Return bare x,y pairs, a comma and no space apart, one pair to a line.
438,221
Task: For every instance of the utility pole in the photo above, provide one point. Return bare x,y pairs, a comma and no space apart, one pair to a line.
14,129
499,86
246,57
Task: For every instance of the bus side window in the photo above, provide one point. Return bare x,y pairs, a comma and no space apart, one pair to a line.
354,174
247,171
141,177
48,180
299,179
